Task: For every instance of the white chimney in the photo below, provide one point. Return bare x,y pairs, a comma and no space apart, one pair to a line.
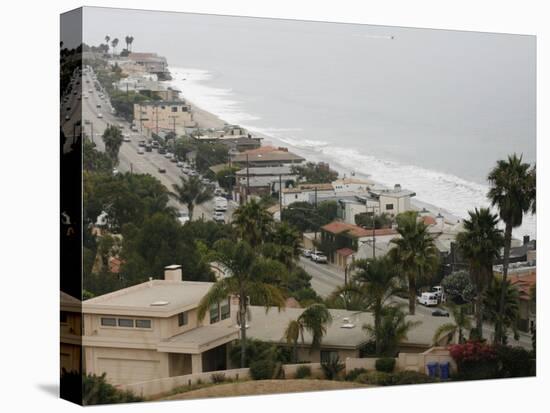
173,273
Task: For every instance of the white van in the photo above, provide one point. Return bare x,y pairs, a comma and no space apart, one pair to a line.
221,204
428,299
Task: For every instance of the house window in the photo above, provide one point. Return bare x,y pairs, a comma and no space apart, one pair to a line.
328,355
225,309
214,313
63,317
389,206
182,319
174,108
163,107
108,321
184,109
143,323
125,322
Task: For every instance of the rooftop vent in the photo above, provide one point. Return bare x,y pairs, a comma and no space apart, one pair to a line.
346,323
159,303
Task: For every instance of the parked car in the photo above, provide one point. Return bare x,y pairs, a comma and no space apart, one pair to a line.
183,217
440,313
179,164
162,170
319,257
141,143
306,252
221,204
140,151
98,106
99,115
148,148
67,117
126,138
162,151
219,217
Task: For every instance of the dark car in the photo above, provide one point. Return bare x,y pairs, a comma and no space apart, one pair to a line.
162,170
440,313
162,151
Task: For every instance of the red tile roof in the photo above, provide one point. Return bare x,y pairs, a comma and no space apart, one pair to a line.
524,283
429,220
345,252
337,227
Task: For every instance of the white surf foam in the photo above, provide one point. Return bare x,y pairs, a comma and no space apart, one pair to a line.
448,192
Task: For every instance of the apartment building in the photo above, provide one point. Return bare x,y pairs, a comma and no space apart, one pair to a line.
161,115
151,330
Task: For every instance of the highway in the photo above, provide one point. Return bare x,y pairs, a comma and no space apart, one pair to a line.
129,158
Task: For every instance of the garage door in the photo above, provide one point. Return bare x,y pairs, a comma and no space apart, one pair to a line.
128,371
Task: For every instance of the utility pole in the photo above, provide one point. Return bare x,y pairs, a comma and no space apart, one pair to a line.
157,112
281,197
92,125
247,178
315,197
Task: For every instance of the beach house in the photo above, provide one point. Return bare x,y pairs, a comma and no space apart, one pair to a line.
155,116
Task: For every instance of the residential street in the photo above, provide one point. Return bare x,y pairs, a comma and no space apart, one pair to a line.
326,278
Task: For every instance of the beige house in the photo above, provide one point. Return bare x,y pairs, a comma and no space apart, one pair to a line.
151,331
163,115
344,336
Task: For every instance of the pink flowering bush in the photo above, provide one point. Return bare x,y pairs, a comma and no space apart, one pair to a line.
475,360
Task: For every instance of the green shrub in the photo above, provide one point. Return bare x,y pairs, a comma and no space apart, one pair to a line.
377,378
217,377
303,372
386,364
332,368
410,377
353,374
515,362
262,369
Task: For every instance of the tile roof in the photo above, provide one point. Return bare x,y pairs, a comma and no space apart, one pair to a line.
345,252
524,283
337,227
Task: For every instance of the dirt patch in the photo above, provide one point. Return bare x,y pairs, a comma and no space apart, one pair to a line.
257,387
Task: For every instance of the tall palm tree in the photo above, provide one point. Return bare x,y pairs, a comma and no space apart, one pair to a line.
112,137
191,192
252,222
492,308
394,329
126,40
512,192
114,43
414,252
480,245
130,41
246,282
107,39
379,279
461,323
315,320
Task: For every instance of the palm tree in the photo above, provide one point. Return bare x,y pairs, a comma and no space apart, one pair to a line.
246,282
130,41
285,243
378,277
314,319
114,43
126,40
112,137
414,252
461,322
480,245
393,329
191,192
513,193
253,222
107,39
492,308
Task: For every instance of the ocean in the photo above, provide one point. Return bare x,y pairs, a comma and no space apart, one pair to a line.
432,110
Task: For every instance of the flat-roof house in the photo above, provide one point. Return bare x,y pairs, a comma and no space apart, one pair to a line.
266,156
155,116
344,335
151,331
393,201
264,180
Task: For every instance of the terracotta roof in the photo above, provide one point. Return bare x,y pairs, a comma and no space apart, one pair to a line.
524,283
114,265
345,252
429,220
291,302
337,227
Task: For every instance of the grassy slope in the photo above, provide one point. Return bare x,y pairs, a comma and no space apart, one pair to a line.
265,387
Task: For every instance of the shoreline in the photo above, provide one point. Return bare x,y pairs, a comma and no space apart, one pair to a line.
207,119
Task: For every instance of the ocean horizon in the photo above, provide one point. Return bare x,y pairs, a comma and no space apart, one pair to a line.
432,110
